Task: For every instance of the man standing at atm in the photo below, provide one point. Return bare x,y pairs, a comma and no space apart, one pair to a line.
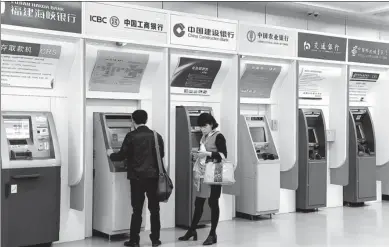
138,149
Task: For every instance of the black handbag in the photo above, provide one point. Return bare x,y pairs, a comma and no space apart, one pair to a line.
165,184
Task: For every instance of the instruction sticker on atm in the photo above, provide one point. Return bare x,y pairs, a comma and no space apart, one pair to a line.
28,65
118,72
195,76
258,80
360,84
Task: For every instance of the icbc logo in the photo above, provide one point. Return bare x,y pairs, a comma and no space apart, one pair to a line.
98,19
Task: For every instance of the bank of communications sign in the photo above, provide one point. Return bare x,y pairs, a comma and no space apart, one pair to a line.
189,31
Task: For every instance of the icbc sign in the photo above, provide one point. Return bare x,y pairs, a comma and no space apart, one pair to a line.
98,19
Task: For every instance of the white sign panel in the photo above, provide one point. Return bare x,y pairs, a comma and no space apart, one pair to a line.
125,23
118,72
28,64
267,41
190,31
360,84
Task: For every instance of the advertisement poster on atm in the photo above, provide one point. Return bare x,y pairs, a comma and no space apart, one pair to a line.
194,76
314,81
360,84
258,80
29,65
118,72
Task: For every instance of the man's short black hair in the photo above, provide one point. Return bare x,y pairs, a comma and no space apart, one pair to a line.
139,116
206,118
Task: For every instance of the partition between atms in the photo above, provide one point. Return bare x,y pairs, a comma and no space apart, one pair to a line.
323,134
121,76
201,81
368,150
44,109
267,136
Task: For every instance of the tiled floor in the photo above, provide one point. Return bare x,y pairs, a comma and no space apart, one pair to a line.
343,227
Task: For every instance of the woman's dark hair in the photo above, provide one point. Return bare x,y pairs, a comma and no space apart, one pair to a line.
206,118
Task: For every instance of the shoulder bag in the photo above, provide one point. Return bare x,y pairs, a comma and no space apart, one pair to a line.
165,184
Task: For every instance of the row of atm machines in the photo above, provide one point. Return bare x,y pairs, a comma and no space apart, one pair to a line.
31,170
312,160
260,164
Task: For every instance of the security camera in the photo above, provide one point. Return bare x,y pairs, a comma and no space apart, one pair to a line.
120,44
315,14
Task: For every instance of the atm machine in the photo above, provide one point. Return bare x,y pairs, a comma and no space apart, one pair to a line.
312,188
30,179
111,189
260,169
188,136
362,159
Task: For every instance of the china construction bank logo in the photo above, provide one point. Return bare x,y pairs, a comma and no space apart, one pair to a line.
179,30
251,36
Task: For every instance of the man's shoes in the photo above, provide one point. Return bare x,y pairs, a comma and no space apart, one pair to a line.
131,244
156,243
212,239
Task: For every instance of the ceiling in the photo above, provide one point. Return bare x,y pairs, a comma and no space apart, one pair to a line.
375,11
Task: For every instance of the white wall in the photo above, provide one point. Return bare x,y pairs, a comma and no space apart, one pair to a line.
271,14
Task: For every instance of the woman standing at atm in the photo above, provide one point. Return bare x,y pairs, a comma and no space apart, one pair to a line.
212,149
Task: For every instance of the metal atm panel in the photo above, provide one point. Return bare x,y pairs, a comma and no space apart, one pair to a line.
111,190
362,158
188,136
311,193
30,179
260,175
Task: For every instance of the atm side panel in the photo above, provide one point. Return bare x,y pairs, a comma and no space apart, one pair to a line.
302,190
183,187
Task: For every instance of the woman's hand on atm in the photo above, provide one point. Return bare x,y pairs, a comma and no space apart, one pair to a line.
109,152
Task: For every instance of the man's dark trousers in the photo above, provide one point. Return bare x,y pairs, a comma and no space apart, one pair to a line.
138,189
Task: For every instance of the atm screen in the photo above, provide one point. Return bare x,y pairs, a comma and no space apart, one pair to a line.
17,128
193,120
360,134
117,136
312,136
196,138
258,134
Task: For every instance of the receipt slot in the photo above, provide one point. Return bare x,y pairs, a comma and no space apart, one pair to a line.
312,189
30,179
188,136
362,159
260,169
111,189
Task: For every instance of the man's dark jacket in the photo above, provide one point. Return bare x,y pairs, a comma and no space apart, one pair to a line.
138,149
